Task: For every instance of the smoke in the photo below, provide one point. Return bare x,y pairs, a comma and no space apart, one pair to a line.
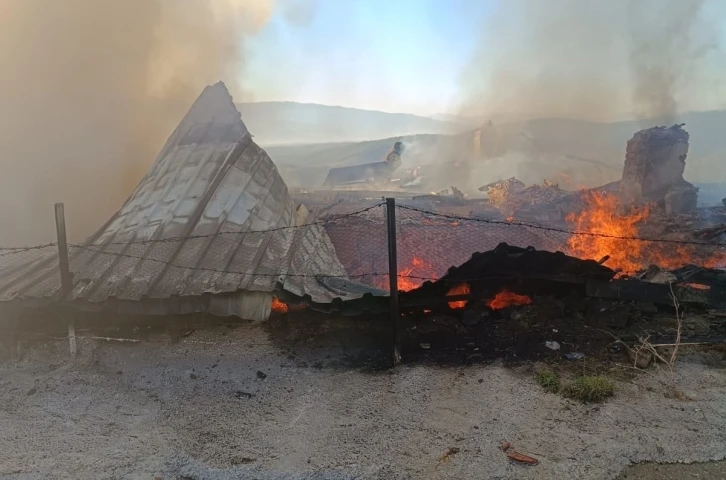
90,90
589,59
300,12
572,60
666,47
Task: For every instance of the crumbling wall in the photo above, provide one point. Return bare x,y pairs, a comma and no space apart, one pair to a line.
655,159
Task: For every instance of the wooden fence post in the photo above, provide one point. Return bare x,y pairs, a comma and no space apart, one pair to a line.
65,272
393,279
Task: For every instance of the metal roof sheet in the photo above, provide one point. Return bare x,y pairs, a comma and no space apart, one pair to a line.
212,216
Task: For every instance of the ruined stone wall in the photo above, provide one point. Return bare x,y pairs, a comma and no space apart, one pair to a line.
655,159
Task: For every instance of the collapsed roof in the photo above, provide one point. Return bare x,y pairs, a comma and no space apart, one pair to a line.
210,228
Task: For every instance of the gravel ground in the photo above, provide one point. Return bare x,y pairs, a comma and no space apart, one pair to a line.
233,403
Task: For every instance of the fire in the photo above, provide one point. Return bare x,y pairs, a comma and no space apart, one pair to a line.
505,298
412,277
461,289
716,260
603,215
278,306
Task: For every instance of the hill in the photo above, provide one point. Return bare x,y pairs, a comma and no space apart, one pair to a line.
285,123
534,149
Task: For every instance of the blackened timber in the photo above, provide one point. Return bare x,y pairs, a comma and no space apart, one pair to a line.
630,289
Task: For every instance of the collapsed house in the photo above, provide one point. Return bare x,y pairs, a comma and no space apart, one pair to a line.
211,228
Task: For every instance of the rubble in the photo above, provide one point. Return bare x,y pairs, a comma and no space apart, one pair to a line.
513,198
655,160
443,197
498,192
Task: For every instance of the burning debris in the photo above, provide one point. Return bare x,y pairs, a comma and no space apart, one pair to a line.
655,160
499,192
513,277
515,199
505,298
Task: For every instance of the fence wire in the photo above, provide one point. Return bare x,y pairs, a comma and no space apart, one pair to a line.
350,246
429,243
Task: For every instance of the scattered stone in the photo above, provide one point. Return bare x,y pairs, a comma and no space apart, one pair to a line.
241,394
261,375
450,452
641,359
552,345
574,356
425,346
193,376
32,391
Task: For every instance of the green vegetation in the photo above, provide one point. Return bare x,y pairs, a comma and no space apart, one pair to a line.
589,389
549,381
586,389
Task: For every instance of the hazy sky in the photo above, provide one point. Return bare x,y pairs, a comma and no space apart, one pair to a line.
412,55
390,55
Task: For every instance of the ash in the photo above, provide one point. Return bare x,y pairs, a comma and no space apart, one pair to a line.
200,409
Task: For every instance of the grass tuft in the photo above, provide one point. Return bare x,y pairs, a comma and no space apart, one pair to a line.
549,381
589,389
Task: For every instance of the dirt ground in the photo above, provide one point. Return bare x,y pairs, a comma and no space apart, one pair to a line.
650,471
238,402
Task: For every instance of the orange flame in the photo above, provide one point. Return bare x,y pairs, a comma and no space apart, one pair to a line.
406,280
505,298
278,306
716,260
461,289
604,216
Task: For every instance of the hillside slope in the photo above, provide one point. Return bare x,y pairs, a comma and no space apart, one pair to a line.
551,145
285,123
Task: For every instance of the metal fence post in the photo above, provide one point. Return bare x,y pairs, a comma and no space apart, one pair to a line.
393,278
65,272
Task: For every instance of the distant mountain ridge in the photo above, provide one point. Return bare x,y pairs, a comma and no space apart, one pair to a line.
286,123
564,139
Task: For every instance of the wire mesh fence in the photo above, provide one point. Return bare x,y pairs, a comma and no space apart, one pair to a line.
429,243
350,247
360,242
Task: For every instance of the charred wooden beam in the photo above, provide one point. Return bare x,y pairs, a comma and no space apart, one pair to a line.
653,292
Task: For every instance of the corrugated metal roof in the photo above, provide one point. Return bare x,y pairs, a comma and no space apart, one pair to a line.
212,216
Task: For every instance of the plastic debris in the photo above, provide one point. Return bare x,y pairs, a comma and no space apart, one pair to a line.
552,345
574,356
